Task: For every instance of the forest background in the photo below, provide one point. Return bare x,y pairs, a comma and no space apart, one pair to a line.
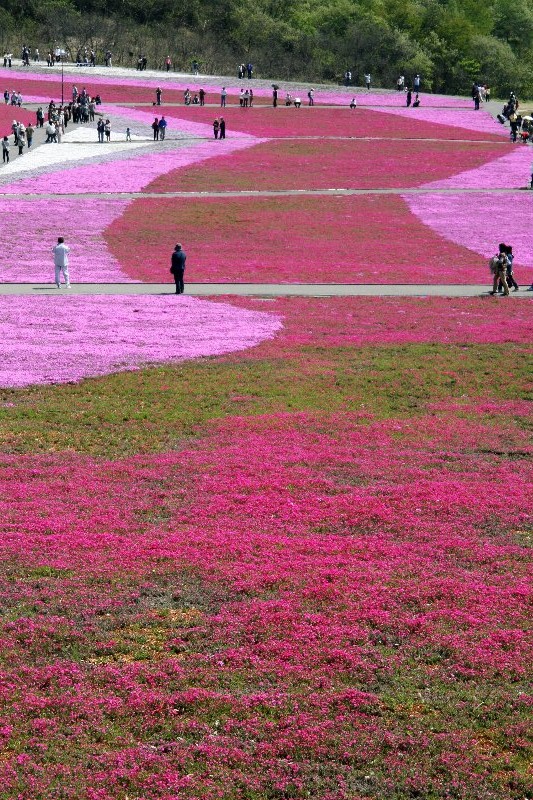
449,42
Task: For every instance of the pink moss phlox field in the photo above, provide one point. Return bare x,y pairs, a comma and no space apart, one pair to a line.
350,163
511,171
337,239
123,88
124,173
475,121
480,222
54,340
318,122
29,229
312,654
350,322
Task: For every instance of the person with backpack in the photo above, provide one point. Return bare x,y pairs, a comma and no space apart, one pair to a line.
510,274
498,266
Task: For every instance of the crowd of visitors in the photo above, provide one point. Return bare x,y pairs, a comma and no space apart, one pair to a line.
501,267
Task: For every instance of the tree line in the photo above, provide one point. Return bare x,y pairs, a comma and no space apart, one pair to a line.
450,43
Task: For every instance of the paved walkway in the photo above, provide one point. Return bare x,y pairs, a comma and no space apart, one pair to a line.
261,289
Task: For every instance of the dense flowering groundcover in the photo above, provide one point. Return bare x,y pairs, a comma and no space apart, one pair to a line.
54,340
309,164
29,229
360,238
480,222
387,123
512,170
303,605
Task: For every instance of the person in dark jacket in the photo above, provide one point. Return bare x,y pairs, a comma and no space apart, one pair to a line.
177,267
222,127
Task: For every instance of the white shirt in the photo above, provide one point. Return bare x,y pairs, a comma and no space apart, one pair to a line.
61,252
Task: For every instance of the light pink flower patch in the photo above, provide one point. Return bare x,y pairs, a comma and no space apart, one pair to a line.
67,338
29,229
511,171
480,222
480,121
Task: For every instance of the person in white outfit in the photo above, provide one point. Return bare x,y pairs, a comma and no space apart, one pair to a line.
61,251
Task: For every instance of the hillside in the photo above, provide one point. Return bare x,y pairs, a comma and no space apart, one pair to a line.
449,43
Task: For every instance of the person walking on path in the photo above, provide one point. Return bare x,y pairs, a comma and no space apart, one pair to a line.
311,96
510,274
222,128
5,150
61,251
498,266
177,267
29,134
216,127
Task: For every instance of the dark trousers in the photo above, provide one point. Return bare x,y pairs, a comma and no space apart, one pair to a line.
178,280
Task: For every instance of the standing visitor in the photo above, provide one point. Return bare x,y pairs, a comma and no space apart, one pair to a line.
216,128
251,97
347,77
61,251
222,128
177,267
100,128
368,80
201,94
29,134
311,96
250,70
275,97
107,130
128,135
168,63
155,128
195,67
162,128
416,83
408,98
5,150
223,95
158,94
400,83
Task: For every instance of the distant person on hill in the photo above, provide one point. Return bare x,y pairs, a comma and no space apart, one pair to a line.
311,96
158,95
128,135
61,251
408,98
400,83
5,150
368,80
155,128
250,70
162,128
216,127
168,63
275,97
201,95
195,67
222,126
416,83
347,77
223,96
177,267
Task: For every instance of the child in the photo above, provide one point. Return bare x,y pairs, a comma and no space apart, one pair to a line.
128,135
